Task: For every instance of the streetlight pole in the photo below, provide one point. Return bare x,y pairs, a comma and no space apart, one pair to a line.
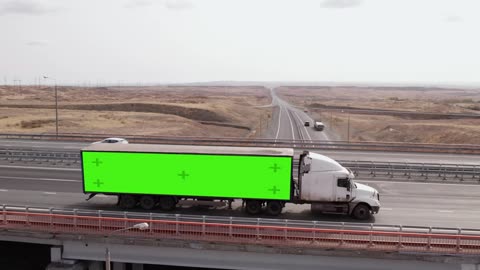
56,106
141,226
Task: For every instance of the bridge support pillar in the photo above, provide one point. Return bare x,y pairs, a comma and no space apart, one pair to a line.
66,265
96,265
119,266
137,266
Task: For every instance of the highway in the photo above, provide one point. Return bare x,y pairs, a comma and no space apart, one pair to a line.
419,204
416,204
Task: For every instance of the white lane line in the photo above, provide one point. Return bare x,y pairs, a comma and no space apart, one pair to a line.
40,168
415,183
306,131
386,209
104,196
279,121
3,190
49,193
445,211
38,179
291,125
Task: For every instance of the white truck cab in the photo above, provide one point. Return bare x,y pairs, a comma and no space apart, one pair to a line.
330,188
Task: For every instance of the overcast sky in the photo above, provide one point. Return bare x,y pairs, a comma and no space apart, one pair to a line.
394,41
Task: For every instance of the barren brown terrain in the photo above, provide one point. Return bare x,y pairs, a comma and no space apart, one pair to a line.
393,114
157,110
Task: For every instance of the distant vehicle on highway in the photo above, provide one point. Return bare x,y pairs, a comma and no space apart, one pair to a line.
305,110
112,140
319,126
307,123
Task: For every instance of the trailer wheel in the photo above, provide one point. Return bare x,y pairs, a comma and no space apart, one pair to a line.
253,207
361,211
274,208
127,201
167,203
147,202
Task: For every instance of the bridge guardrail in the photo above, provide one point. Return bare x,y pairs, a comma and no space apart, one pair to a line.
292,233
298,144
364,169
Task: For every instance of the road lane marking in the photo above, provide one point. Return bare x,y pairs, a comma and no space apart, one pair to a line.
291,125
279,121
387,209
40,168
413,183
445,211
39,179
49,193
306,131
3,190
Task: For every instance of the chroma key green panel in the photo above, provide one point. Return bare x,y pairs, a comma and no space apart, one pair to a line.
202,175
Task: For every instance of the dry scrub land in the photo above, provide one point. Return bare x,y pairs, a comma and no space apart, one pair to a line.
395,114
161,110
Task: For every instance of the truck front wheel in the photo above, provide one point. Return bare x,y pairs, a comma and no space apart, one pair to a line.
274,208
253,207
361,211
127,201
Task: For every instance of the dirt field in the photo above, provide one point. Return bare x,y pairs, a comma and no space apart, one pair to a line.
170,111
410,114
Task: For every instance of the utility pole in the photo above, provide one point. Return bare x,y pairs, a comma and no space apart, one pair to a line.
56,106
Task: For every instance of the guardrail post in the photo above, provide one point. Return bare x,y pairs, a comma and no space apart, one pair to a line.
99,220
28,215
257,229
177,232
203,225
285,231
342,234
371,236
151,223
4,210
459,232
125,218
230,227
400,245
429,243
75,218
314,231
50,211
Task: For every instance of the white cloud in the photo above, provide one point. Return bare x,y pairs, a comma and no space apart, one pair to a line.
138,3
340,3
25,7
37,43
178,4
453,19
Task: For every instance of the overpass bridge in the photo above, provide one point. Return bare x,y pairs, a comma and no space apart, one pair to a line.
86,239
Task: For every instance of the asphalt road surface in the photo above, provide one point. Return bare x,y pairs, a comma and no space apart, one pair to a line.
419,204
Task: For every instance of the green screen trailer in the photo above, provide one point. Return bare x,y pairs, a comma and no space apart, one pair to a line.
188,171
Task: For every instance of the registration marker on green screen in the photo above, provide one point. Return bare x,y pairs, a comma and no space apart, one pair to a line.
206,172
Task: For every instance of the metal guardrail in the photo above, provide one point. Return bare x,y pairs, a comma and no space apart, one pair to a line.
364,169
292,233
298,144
40,156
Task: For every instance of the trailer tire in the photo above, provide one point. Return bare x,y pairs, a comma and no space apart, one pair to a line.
253,207
147,202
167,203
361,212
274,208
127,201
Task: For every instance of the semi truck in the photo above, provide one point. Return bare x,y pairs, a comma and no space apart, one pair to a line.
264,179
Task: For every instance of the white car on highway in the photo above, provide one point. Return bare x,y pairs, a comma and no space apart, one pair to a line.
113,140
